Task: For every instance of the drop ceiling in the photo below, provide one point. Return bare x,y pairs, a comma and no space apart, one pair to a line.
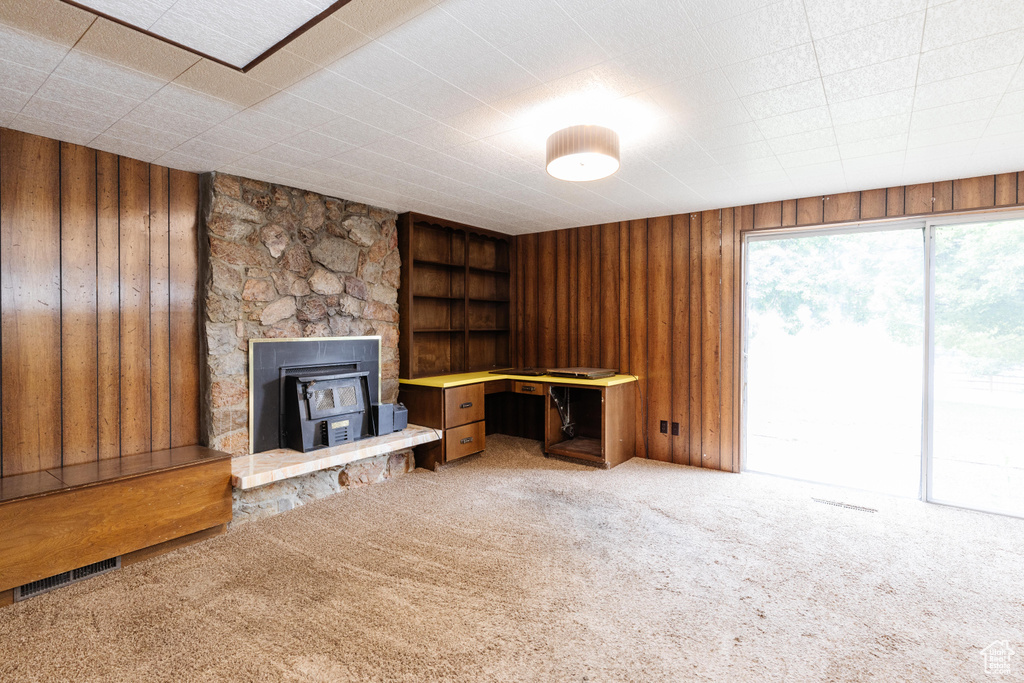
443,107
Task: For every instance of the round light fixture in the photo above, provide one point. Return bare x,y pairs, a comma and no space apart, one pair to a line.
581,153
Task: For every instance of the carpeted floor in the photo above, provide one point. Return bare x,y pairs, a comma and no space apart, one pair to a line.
512,567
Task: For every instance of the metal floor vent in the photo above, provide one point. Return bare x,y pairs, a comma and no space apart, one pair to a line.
30,590
843,505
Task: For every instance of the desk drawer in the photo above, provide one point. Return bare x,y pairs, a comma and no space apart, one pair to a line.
531,388
464,440
463,405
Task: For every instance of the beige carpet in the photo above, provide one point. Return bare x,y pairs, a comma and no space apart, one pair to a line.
511,567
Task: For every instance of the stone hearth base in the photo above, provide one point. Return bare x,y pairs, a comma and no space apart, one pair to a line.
269,500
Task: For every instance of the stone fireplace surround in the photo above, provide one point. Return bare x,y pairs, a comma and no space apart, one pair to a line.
282,263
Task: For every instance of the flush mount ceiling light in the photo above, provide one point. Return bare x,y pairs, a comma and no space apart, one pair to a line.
581,153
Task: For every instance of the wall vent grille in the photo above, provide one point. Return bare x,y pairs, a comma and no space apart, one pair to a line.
30,590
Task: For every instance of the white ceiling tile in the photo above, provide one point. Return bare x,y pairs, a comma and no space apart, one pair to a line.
619,26
352,131
665,61
398,148
753,168
1003,125
785,100
141,13
379,68
962,20
436,98
128,148
204,38
870,80
54,128
818,178
63,113
390,116
29,50
714,11
764,30
504,23
873,106
963,88
982,54
794,122
828,17
556,50
333,91
481,122
730,136
871,44
290,155
883,169
261,125
99,73
86,97
194,103
213,154
491,76
801,142
716,116
1010,103
12,101
436,41
322,145
163,138
226,136
21,78
437,136
693,92
942,150
785,67
875,147
808,157
958,132
149,114
286,106
897,124
759,149
958,112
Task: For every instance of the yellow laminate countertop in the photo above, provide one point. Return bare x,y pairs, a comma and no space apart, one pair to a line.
460,379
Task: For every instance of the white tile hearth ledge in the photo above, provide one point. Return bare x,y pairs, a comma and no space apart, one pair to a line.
250,471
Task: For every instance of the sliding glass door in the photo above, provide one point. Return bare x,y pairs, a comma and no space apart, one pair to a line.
835,326
977,422
889,358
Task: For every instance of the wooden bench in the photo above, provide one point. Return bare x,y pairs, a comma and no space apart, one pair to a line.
134,507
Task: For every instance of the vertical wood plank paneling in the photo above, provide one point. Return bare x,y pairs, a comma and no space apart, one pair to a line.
767,215
625,293
108,303
788,213
974,193
918,198
562,298
547,298
30,301
160,307
574,299
711,263
943,193
584,340
842,207
696,340
737,347
78,302
532,313
872,204
609,275
518,354
895,199
136,425
638,326
1006,189
727,338
809,211
659,320
681,337
183,226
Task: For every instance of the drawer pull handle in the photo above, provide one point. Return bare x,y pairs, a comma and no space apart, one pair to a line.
468,439
467,404
529,388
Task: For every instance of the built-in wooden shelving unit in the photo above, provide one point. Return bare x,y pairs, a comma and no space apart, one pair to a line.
455,298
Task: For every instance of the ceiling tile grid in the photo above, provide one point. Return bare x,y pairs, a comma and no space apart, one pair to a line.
443,106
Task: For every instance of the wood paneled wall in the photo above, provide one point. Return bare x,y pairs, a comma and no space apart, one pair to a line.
99,277
660,298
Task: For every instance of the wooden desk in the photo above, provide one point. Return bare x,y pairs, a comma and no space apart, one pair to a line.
602,410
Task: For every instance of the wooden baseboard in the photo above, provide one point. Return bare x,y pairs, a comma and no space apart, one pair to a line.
173,544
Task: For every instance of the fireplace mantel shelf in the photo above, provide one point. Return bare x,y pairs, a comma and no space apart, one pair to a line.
250,471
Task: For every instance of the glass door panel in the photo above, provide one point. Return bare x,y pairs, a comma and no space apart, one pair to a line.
978,410
835,357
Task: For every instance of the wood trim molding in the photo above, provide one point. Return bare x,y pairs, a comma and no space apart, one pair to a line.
244,68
